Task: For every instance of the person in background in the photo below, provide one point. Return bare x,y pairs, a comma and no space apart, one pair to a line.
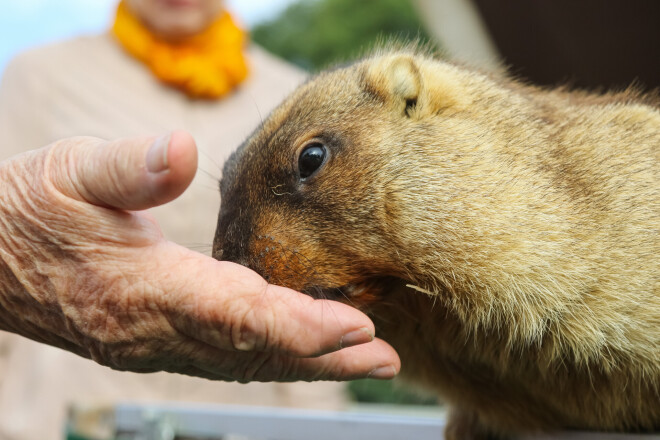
166,64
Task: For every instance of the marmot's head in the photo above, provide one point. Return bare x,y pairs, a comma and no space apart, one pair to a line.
316,198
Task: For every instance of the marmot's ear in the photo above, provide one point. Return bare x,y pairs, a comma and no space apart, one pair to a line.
414,85
395,79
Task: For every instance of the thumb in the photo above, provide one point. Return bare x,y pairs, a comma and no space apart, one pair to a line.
131,174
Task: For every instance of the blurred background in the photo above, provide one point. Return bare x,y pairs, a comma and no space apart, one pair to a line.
590,44
29,23
277,25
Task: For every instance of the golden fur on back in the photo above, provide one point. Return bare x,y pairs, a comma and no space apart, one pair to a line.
504,238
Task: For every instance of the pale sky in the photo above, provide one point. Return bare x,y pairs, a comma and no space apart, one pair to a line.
28,23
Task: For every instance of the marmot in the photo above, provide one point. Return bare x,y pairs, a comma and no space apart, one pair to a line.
504,238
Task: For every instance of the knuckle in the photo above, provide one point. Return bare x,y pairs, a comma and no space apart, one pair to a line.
60,167
243,333
63,155
250,332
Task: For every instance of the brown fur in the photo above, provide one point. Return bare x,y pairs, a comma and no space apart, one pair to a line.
504,238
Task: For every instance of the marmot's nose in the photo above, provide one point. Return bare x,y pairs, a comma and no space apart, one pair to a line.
217,252
224,255
224,250
222,242
232,239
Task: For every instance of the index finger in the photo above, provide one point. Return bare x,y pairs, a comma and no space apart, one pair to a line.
376,360
231,307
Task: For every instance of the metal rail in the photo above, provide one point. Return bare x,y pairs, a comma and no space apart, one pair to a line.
169,421
161,422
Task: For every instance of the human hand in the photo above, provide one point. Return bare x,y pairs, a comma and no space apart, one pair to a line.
82,270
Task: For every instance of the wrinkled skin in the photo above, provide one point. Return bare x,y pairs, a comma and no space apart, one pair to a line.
81,269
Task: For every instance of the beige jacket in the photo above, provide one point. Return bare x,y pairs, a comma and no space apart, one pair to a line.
88,86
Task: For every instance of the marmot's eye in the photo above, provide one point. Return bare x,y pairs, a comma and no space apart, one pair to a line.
311,158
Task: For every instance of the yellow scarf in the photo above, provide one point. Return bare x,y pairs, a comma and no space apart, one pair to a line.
207,65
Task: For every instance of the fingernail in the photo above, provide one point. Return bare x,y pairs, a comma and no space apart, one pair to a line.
157,154
356,337
387,372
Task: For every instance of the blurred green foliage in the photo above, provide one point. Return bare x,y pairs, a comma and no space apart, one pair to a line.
384,391
317,33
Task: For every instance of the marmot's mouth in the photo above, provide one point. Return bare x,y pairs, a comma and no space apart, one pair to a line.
343,293
357,294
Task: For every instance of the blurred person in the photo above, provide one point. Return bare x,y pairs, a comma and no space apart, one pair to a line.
166,64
